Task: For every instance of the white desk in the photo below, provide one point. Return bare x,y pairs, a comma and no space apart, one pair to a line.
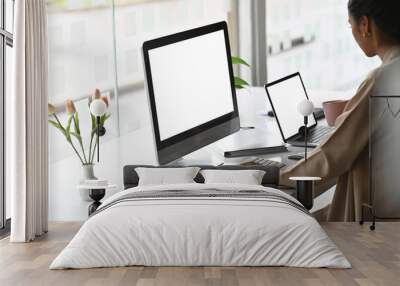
253,107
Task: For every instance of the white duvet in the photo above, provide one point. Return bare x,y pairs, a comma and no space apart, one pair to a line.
219,232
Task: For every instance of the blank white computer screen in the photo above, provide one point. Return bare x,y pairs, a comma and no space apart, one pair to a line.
285,97
191,83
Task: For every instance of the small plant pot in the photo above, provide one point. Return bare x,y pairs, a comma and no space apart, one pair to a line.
88,174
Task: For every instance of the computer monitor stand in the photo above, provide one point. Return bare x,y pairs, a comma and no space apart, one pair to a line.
204,156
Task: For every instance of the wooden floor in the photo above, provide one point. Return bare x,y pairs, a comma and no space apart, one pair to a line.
375,257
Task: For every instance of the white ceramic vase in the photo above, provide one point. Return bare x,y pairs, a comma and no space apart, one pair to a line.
88,174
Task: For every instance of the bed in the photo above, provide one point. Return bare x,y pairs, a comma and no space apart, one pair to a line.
200,224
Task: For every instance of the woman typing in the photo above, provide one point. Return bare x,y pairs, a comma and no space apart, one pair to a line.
343,156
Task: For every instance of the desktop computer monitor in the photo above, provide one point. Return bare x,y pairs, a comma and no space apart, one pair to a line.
191,90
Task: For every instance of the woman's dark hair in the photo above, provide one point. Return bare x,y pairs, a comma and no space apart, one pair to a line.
385,14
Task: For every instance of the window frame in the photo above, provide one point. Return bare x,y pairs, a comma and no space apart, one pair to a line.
6,39
259,42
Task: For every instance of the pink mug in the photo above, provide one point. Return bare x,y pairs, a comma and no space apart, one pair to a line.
333,109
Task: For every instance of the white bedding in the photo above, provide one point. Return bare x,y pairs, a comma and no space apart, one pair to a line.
193,231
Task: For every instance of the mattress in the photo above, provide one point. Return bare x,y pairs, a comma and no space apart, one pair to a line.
201,225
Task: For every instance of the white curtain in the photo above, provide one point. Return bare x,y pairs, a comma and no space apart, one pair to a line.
27,117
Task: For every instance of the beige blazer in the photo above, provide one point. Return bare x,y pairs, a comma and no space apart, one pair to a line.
343,156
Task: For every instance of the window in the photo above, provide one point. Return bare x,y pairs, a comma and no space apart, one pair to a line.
97,44
6,43
314,38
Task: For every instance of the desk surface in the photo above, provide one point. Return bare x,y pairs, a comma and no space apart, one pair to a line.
253,107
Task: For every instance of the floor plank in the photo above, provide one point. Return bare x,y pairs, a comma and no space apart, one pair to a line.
375,257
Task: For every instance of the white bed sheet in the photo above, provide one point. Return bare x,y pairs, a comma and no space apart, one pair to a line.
200,232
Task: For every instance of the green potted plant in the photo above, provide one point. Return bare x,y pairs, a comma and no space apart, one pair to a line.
244,102
239,82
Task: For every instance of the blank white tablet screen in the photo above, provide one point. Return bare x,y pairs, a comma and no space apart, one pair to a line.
191,83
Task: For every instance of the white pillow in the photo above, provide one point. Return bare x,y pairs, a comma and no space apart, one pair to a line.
166,176
247,177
